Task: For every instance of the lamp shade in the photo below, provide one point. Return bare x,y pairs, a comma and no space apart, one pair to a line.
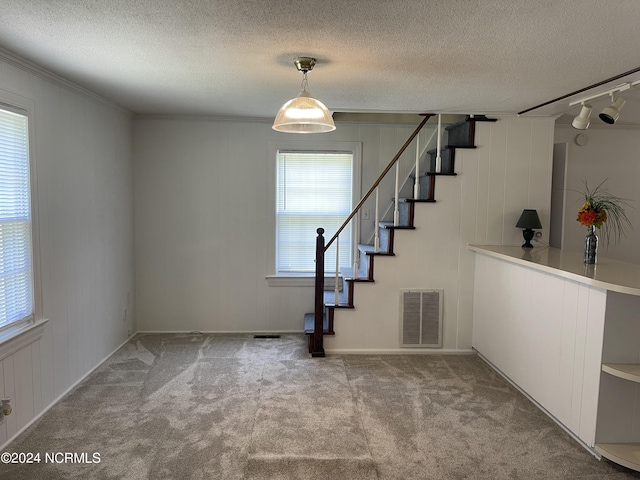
611,113
304,114
581,122
529,219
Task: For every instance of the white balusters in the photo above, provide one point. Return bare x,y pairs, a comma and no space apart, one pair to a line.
416,185
356,240
439,147
376,238
396,211
336,287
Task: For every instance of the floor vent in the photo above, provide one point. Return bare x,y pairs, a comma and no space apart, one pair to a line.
421,318
266,336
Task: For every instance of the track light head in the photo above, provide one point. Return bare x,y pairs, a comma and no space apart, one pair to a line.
582,121
611,113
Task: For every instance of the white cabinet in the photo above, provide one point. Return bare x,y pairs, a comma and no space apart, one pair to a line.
544,333
568,336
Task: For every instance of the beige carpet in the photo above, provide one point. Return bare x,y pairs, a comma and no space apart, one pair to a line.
234,407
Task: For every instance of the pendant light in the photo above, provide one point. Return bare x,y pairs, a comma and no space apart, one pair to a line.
304,114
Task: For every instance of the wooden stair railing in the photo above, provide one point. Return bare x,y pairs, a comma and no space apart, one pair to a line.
317,342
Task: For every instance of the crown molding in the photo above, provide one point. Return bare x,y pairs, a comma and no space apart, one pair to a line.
201,118
38,71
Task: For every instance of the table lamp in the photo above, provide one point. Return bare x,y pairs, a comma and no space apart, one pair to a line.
528,220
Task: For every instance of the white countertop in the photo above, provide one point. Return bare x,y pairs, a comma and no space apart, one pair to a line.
607,274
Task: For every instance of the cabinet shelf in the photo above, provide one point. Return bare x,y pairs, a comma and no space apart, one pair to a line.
625,454
626,371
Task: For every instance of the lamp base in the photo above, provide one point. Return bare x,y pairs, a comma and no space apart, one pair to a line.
527,233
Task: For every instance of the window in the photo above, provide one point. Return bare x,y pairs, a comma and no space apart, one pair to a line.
16,256
313,189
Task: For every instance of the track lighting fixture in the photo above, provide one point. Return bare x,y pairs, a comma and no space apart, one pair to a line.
582,121
611,113
304,114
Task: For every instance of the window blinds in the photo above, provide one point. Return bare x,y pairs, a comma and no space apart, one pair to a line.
313,190
16,274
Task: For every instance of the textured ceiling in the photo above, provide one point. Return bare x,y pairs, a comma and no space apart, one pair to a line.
234,57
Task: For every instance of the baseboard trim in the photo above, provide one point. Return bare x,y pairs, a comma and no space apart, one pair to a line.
592,451
61,396
398,351
226,332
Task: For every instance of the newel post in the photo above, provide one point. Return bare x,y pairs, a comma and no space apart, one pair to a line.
318,327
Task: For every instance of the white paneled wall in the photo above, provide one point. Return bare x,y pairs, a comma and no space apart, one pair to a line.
611,154
203,209
84,198
551,349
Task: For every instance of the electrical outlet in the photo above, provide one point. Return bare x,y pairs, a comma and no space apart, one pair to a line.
129,333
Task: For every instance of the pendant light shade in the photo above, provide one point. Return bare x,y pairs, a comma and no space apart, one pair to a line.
304,114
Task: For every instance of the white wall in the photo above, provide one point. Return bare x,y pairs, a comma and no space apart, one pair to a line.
611,154
85,204
509,171
205,221
204,217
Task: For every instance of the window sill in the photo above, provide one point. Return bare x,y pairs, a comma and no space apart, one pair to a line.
17,337
299,281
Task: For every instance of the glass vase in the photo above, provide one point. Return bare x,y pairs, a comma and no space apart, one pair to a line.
591,246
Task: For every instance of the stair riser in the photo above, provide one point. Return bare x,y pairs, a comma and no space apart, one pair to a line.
425,187
462,134
384,234
365,263
447,165
404,210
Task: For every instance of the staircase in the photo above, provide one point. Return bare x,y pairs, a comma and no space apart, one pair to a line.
460,135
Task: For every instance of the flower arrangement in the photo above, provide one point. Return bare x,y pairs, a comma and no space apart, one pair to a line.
604,211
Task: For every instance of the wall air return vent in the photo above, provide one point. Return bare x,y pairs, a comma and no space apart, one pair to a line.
421,318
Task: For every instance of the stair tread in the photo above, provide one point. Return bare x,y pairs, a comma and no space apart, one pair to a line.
471,147
309,323
480,118
457,124
429,173
366,248
347,273
398,227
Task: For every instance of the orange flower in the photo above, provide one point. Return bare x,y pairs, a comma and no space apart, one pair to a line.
589,216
